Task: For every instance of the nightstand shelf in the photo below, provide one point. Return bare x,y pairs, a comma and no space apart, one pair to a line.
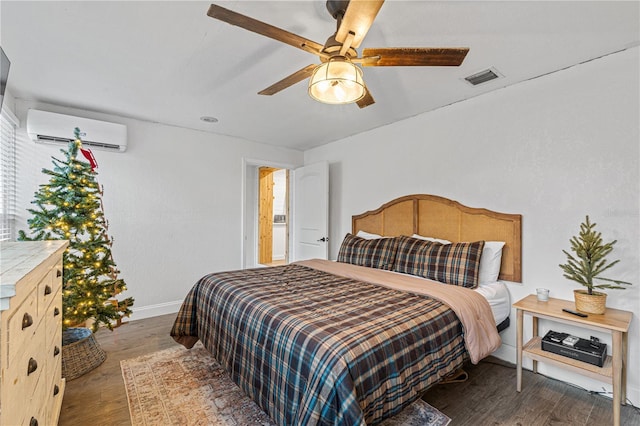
533,350
613,321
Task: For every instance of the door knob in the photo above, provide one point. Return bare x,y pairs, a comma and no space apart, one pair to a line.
324,239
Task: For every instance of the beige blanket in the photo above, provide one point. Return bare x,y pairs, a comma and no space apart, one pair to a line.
480,334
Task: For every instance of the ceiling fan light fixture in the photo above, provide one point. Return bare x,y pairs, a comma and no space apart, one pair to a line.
337,81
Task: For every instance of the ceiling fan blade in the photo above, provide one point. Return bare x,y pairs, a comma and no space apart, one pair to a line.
264,29
366,100
358,19
289,81
427,56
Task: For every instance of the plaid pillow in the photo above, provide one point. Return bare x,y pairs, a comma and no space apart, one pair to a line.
377,253
456,263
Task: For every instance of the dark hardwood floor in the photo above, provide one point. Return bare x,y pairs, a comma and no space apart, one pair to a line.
487,398
98,397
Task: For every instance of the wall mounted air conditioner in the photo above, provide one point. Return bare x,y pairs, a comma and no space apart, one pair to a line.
53,128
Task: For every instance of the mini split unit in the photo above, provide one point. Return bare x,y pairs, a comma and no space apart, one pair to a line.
53,128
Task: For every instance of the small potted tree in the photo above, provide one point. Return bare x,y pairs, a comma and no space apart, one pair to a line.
587,265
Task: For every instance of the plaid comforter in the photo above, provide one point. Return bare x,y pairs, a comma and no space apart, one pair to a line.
312,348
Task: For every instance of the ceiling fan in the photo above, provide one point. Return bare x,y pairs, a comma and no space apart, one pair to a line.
337,79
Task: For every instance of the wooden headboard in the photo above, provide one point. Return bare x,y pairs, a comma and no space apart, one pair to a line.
438,217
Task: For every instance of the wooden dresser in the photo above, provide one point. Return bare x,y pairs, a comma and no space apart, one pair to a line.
31,385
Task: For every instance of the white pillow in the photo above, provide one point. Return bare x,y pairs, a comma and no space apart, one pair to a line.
490,262
435,240
368,236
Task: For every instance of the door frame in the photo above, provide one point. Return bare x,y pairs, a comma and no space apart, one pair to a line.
245,240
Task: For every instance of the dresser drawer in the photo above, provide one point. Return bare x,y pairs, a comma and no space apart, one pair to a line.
47,288
53,319
21,328
20,380
54,396
56,277
54,346
38,409
54,359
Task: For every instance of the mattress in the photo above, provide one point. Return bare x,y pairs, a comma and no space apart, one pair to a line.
497,295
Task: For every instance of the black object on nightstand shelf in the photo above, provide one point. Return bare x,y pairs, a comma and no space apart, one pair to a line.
590,351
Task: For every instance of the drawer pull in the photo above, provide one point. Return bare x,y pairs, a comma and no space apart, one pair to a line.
56,311
33,422
27,320
56,390
47,290
56,351
58,273
33,366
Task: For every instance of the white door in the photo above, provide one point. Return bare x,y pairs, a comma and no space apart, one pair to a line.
311,212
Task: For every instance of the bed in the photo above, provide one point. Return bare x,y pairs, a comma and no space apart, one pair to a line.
353,342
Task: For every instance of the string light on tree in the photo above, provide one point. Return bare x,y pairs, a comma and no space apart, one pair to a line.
70,207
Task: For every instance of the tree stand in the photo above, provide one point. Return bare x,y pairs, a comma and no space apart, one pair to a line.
81,352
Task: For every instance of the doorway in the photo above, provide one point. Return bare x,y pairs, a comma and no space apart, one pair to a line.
302,216
273,216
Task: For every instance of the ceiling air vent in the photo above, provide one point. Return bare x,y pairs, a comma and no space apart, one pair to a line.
483,76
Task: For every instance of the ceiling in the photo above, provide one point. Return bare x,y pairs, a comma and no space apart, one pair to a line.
168,62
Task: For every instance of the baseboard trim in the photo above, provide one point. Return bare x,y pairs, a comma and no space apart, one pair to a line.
506,353
149,311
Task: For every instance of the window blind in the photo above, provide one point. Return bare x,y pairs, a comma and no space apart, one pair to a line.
8,124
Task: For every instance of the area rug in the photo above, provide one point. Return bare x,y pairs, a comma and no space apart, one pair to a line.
177,386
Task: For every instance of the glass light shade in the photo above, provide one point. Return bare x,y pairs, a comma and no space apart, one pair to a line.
337,81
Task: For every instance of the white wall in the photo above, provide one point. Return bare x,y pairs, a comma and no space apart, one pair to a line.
173,201
552,149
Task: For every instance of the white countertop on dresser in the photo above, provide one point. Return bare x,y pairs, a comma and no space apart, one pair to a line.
17,259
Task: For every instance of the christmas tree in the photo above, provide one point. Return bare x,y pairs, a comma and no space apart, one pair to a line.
69,207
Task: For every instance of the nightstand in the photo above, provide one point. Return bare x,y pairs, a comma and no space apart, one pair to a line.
614,321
